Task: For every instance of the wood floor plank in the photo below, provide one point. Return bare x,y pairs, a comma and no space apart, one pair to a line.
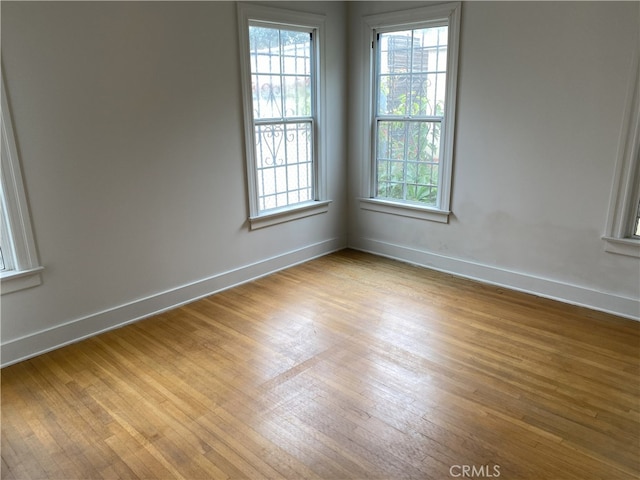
349,366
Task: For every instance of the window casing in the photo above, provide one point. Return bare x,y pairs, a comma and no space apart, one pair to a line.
412,86
283,97
636,228
623,222
6,249
19,266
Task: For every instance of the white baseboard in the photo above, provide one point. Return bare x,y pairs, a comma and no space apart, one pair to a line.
73,331
564,292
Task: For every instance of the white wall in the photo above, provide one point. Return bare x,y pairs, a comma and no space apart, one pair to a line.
541,93
128,122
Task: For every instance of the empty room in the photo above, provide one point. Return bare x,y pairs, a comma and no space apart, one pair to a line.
320,240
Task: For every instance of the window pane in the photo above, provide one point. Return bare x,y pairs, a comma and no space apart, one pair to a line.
393,94
391,140
264,44
283,109
281,73
267,103
408,156
284,164
297,96
391,179
411,84
296,52
423,140
412,72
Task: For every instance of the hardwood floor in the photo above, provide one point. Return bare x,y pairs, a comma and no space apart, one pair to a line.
349,366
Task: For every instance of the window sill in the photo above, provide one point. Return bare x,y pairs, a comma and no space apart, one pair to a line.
274,217
13,281
405,210
622,246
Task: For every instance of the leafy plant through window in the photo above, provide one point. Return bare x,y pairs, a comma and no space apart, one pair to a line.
410,96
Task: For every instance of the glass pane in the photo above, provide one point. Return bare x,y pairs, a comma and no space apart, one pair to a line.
267,202
440,63
412,72
264,45
268,99
268,181
411,85
296,52
393,94
395,52
423,142
284,164
297,96
407,164
420,101
391,140
281,73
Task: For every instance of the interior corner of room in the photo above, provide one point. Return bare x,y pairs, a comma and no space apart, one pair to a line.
128,124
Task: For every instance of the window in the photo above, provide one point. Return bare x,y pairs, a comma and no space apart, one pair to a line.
19,267
623,222
283,130
413,85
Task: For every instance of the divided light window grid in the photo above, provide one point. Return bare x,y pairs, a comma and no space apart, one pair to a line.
410,96
282,82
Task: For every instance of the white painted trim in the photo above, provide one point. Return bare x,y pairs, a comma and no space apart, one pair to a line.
413,16
282,17
25,267
288,214
451,13
15,280
623,246
405,210
519,281
73,331
625,191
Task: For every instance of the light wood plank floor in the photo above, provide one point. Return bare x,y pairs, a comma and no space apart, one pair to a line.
349,366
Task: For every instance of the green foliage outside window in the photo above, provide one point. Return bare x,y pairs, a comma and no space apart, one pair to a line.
408,150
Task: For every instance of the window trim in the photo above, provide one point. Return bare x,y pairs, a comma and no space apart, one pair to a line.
635,224
451,12
26,269
625,191
283,18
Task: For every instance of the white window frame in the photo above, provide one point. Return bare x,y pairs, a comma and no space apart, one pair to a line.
624,204
22,266
280,18
414,18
